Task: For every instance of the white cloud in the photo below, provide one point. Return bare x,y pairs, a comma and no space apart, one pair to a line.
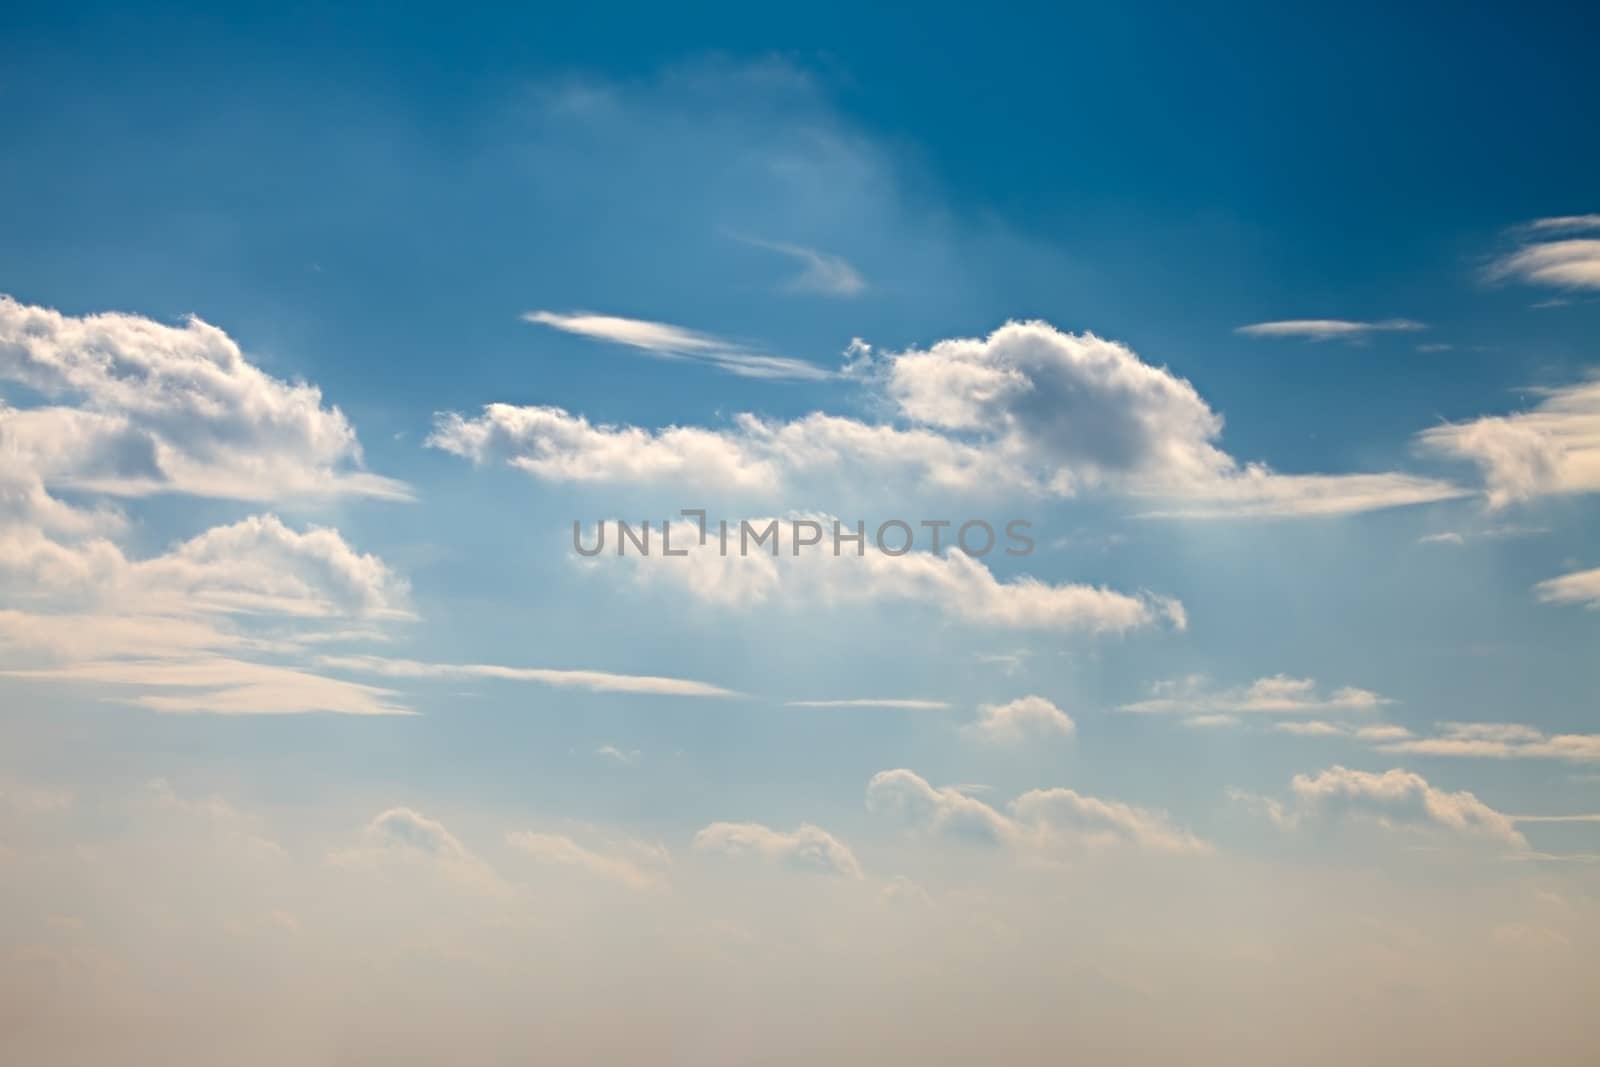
820,272
1565,224
593,681
169,409
624,757
1553,448
1027,409
663,341
1448,537
562,851
218,685
809,848
957,585
1579,587
401,838
1039,823
1021,719
172,628
1327,329
1278,694
1397,800
1311,728
1570,263
1498,741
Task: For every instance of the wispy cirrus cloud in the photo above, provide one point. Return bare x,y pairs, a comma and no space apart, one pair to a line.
820,272
1579,587
664,341
1563,263
593,681
1328,329
872,702
1278,694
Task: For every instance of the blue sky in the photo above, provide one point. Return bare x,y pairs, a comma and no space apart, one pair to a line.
1277,326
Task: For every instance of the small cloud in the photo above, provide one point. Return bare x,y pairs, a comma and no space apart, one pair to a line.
1021,719
1327,329
820,272
1448,537
628,758
664,341
872,702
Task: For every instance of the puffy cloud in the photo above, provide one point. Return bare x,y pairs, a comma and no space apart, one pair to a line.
1278,694
1395,799
401,838
945,811
162,408
1020,719
1580,587
809,848
562,851
956,584
1103,822
1039,823
1553,448
173,628
1028,408
593,681
1327,329
662,341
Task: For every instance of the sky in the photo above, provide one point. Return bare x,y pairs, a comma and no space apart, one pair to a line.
1262,338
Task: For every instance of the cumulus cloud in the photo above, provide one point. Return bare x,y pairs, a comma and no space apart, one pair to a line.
1327,329
1396,800
1038,823
1028,408
1552,448
955,584
1021,719
169,632
561,851
809,848
1278,694
663,341
1579,587
156,408
401,839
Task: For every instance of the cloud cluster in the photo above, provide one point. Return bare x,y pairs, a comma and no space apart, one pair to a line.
1038,824
141,407
1395,800
1029,408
